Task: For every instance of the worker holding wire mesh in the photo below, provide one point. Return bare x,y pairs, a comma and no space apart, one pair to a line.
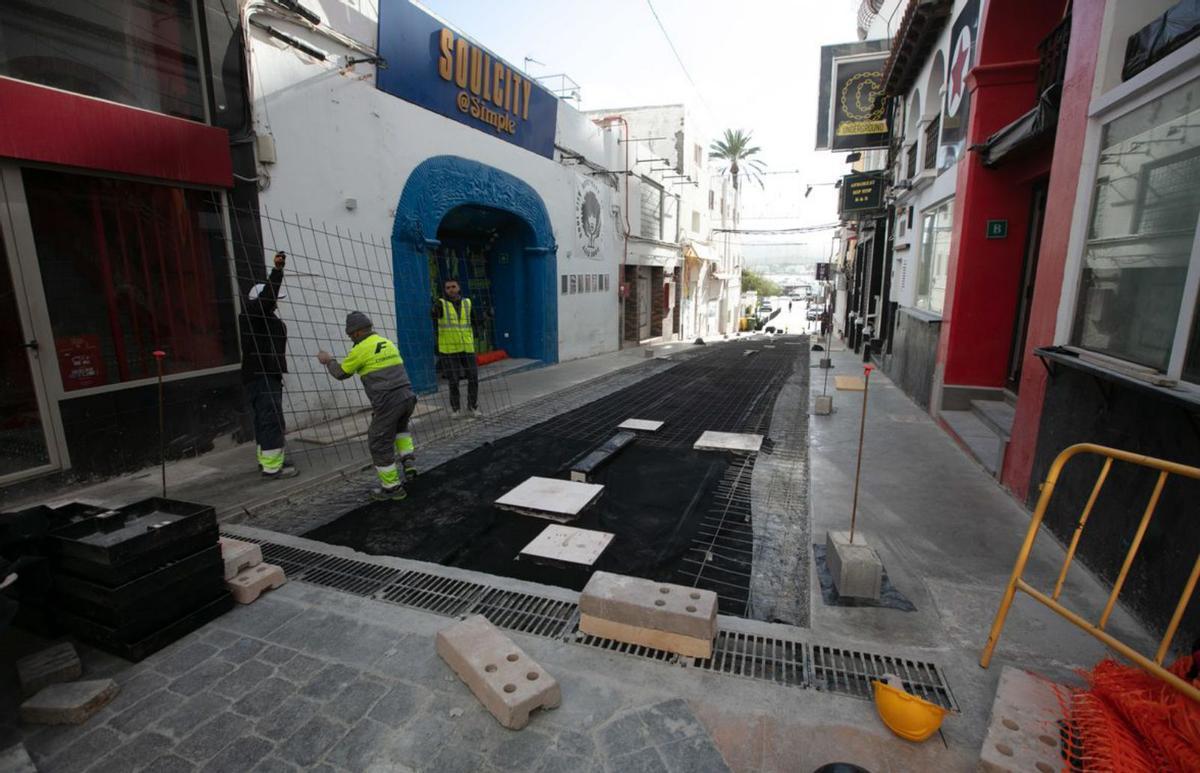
264,361
377,361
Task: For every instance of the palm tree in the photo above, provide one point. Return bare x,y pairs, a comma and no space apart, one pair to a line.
735,152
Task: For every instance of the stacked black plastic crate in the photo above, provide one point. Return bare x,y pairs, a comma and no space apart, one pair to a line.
133,580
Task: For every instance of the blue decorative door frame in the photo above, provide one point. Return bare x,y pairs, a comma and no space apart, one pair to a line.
437,186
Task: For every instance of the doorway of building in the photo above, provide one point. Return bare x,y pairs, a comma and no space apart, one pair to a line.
1037,216
23,439
643,303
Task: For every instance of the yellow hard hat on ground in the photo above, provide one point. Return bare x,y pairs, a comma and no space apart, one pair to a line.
906,715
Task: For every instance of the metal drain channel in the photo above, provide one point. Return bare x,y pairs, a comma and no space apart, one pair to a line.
781,661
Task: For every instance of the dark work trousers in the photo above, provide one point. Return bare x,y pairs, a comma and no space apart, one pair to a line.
265,395
390,413
456,367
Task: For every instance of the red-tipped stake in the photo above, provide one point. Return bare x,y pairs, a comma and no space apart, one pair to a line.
159,354
862,428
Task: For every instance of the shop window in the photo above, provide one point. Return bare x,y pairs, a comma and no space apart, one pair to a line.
127,268
141,53
934,259
1145,204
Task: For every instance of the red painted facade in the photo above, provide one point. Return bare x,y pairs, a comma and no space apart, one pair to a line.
104,136
984,275
1086,22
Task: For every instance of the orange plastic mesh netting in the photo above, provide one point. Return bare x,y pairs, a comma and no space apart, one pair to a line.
1130,721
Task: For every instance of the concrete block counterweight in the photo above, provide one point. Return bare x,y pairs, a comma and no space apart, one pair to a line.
675,618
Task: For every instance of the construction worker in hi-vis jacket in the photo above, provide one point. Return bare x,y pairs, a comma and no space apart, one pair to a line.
377,361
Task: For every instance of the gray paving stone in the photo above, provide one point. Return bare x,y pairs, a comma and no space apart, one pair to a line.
134,687
68,703
169,763
211,737
275,765
421,739
300,668
281,723
557,761
145,712
355,701
694,755
310,742
242,650
454,759
194,711
135,753
643,761
48,740
243,679
184,658
400,704
364,745
334,636
14,759
671,721
519,751
84,751
574,744
260,619
276,654
201,677
329,681
219,637
623,735
267,696
239,756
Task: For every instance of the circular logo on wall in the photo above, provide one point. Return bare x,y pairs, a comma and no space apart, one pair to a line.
960,64
588,216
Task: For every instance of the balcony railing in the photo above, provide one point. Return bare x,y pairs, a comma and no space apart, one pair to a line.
932,135
1052,55
912,160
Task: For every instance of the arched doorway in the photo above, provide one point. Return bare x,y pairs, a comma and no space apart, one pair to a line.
490,230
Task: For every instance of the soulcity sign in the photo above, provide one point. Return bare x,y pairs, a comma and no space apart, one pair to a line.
432,66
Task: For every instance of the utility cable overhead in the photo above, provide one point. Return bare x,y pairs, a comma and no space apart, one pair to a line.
679,58
767,231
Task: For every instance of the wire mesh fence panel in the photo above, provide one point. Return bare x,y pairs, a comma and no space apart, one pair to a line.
327,273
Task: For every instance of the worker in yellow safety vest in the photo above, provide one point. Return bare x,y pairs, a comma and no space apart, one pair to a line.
456,320
377,361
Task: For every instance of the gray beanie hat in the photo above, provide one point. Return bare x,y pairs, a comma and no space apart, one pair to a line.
356,320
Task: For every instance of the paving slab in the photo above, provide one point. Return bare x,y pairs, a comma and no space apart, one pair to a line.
729,441
59,663
502,676
15,759
568,544
550,498
641,425
68,703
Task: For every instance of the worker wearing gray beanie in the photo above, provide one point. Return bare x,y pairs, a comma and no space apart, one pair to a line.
377,361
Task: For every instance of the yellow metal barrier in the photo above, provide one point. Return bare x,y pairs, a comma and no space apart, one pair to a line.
1017,583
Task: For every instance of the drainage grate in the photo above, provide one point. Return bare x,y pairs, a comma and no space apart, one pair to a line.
758,657
750,656
351,576
850,672
525,613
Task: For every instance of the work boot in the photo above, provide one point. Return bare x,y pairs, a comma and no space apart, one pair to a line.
410,468
286,471
392,493
456,414
476,413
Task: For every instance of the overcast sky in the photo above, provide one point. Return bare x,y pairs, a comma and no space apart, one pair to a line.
754,62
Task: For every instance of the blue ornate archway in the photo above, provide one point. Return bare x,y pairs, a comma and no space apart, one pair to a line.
436,187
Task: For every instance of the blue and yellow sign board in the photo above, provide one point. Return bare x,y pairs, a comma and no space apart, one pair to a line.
431,65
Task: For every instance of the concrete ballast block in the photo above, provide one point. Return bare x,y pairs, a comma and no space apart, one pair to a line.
505,680
1023,734
669,617
823,405
251,583
239,555
69,703
856,568
52,665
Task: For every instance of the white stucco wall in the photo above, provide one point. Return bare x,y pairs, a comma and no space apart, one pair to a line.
337,137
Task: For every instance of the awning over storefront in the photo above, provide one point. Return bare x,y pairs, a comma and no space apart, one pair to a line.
644,252
1024,134
700,251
